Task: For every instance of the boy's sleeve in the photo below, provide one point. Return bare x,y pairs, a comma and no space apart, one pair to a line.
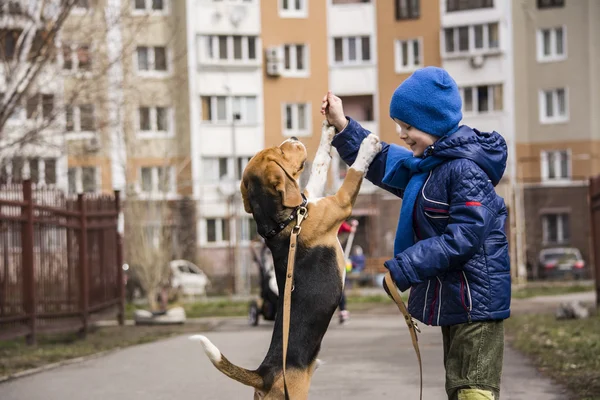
347,143
469,224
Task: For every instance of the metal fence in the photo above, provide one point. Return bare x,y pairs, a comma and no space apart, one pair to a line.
60,261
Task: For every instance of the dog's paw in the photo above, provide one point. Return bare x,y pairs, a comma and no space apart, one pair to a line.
327,132
369,148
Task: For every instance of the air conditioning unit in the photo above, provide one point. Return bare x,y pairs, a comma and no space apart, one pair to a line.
274,57
92,144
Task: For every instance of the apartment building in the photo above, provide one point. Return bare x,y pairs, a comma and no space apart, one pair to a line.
226,98
556,99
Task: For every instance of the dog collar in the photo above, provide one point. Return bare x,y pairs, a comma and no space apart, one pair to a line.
281,226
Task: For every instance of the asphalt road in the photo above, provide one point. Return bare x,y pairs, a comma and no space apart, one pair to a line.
370,358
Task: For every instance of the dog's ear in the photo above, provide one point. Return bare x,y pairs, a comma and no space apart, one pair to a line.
244,190
287,187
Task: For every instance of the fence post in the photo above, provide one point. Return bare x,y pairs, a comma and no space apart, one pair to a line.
84,281
29,295
120,280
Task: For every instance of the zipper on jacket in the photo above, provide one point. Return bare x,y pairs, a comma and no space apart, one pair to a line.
440,304
465,283
426,295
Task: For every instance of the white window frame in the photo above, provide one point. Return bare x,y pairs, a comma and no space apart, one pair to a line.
152,72
294,72
553,56
491,109
79,178
213,177
412,66
560,227
148,9
345,51
75,60
154,132
26,172
544,159
219,241
295,131
155,193
472,50
244,121
555,119
77,133
292,12
204,42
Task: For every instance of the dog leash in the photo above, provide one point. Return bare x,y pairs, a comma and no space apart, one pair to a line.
410,321
289,287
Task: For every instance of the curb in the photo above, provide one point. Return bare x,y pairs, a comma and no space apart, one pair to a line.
76,360
48,367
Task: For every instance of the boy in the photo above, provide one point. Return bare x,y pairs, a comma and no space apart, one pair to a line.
450,246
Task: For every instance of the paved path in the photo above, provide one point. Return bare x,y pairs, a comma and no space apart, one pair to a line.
371,358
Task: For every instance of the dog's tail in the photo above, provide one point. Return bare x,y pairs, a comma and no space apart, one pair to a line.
247,377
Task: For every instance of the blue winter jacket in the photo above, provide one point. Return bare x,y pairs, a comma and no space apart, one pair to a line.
459,268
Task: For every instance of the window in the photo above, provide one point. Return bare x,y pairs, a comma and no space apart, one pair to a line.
352,50
217,230
83,179
463,5
552,44
296,119
150,6
550,3
407,9
39,106
221,109
155,120
152,59
229,49
80,118
556,165
555,228
482,38
155,180
554,106
409,55
293,8
482,99
76,57
295,59
216,169
41,171
360,107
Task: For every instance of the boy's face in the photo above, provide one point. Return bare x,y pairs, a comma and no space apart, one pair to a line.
417,140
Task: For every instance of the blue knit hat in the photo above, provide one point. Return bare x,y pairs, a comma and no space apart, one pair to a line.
429,100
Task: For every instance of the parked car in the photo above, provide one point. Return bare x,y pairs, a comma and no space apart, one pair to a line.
188,278
561,262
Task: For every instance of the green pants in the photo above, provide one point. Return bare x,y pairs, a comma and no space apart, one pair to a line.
473,356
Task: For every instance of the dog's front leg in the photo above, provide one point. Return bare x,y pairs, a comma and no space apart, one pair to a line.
347,193
318,173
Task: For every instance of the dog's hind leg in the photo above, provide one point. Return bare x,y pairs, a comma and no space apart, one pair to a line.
320,166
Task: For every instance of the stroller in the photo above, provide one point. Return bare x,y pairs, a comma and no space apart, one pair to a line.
266,305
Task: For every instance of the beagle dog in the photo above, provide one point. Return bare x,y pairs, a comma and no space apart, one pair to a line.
271,193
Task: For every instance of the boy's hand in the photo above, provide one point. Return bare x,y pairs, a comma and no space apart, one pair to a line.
332,109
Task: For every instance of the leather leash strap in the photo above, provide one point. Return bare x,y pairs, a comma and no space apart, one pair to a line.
289,287
412,325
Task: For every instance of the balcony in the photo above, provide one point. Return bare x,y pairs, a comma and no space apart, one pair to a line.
351,17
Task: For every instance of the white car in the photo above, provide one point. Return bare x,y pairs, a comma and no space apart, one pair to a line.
189,278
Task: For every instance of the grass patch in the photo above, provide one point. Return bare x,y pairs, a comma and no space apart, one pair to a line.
239,308
16,356
567,350
550,290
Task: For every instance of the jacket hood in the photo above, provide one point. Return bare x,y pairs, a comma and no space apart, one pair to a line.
487,149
